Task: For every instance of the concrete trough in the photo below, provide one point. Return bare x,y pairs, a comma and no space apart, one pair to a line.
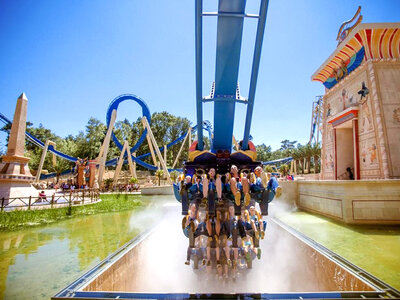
292,266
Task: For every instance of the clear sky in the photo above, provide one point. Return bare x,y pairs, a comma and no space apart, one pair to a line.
73,57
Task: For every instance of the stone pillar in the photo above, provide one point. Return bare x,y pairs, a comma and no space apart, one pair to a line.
15,176
335,147
378,122
356,150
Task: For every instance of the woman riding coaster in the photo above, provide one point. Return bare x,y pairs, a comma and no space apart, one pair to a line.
237,184
247,243
256,219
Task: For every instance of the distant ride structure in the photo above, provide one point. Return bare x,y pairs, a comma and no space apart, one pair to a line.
316,120
49,146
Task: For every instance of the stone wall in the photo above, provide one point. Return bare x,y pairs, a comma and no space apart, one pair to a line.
378,120
355,202
388,82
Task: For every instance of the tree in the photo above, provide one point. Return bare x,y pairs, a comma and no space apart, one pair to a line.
133,180
60,166
268,169
296,158
286,144
301,152
284,169
159,174
308,153
263,152
316,153
89,144
174,175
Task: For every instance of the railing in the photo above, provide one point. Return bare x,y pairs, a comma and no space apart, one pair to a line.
65,198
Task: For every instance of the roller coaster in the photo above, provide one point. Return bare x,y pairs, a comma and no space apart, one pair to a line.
206,125
220,188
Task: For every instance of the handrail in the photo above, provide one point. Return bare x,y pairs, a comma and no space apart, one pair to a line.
70,197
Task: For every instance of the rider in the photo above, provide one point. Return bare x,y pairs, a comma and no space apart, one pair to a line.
248,243
257,186
212,240
233,224
274,185
190,223
196,187
223,232
209,184
256,218
237,184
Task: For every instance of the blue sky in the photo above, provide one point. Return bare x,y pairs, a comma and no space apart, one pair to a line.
72,58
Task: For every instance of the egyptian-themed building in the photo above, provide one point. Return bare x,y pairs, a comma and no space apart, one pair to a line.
361,105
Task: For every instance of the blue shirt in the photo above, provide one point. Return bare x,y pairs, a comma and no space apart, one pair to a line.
273,183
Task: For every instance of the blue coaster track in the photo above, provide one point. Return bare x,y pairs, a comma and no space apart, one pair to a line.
231,14
139,160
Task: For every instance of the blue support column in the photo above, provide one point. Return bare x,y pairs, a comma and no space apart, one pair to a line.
229,42
199,73
254,71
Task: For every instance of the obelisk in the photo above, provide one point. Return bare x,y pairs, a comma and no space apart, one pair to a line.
15,176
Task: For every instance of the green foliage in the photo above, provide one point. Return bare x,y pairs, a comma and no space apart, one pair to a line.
174,175
159,174
133,180
108,182
268,169
286,144
264,152
88,145
110,203
284,169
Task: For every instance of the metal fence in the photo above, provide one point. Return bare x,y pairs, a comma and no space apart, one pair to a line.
61,199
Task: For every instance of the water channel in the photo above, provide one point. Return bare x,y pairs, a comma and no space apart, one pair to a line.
37,262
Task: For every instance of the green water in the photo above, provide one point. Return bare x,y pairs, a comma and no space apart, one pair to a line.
375,249
35,263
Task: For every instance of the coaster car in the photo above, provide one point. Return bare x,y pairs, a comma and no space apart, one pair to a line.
200,240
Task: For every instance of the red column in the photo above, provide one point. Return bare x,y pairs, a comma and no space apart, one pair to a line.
356,149
80,179
92,170
334,138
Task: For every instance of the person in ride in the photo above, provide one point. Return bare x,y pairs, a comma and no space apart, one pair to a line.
188,186
273,185
212,240
191,223
257,185
246,240
233,225
213,183
197,186
237,184
223,233
256,219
